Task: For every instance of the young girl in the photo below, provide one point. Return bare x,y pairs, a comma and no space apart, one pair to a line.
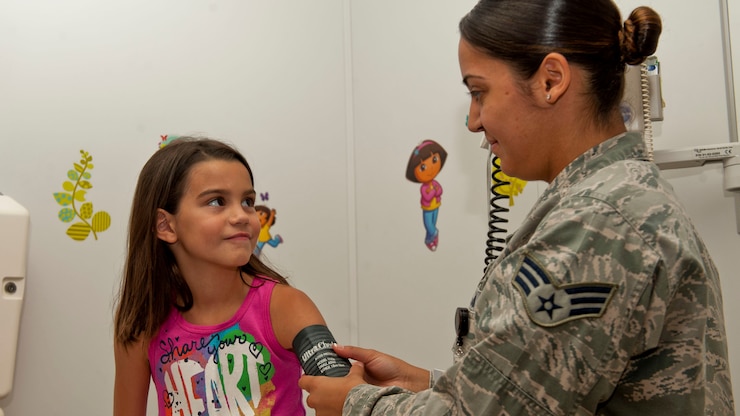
425,162
206,320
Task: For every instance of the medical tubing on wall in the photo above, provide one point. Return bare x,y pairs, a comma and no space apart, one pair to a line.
494,243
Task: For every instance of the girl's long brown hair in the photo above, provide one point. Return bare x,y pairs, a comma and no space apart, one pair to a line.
152,283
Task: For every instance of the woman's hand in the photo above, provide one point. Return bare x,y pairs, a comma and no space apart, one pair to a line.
385,370
327,394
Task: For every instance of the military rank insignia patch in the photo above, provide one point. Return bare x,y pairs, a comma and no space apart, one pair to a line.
550,305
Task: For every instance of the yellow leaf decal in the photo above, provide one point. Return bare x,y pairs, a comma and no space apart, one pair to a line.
76,191
66,214
78,231
80,195
86,211
101,221
63,198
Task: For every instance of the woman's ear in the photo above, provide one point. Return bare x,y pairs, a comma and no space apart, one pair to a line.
163,227
553,77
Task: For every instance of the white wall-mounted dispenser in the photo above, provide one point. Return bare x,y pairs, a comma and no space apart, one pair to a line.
14,233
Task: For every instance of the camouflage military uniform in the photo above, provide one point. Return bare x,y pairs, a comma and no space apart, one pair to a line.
605,301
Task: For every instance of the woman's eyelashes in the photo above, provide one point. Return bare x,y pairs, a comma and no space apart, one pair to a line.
475,94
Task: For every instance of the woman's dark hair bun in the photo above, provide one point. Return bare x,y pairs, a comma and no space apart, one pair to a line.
639,35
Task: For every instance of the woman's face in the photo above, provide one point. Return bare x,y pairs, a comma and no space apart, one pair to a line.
504,113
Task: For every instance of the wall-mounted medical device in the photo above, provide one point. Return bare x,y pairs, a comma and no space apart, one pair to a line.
643,104
14,233
688,157
727,153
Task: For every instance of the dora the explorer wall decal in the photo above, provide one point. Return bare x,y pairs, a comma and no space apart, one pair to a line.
426,161
268,216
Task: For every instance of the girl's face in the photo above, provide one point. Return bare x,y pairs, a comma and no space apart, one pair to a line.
216,225
507,116
428,168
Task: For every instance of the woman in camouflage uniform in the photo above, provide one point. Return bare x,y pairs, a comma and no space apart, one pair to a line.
605,301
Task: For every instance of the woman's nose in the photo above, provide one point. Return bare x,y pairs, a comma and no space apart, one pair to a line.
472,121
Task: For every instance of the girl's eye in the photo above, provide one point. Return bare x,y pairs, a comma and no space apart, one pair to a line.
434,159
475,95
422,167
216,202
248,202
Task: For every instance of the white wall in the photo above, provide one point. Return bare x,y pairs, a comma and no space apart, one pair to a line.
326,99
407,88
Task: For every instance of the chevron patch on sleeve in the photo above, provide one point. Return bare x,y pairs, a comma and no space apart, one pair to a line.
550,305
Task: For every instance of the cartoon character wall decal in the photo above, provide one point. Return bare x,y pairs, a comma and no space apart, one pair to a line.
426,161
267,218
166,139
75,190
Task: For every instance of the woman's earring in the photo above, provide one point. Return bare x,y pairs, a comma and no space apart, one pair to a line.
547,97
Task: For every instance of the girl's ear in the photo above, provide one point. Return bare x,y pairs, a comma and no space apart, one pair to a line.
164,229
553,78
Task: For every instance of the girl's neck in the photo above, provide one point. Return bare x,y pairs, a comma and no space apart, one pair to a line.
216,297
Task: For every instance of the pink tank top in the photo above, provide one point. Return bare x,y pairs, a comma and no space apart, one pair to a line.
234,368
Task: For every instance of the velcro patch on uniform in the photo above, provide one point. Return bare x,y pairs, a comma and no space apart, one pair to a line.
549,304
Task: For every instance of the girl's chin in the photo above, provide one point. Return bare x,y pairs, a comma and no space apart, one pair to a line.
243,259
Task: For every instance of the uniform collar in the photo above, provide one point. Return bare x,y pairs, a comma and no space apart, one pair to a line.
621,147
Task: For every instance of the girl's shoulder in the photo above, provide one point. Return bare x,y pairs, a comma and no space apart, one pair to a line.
289,298
290,311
